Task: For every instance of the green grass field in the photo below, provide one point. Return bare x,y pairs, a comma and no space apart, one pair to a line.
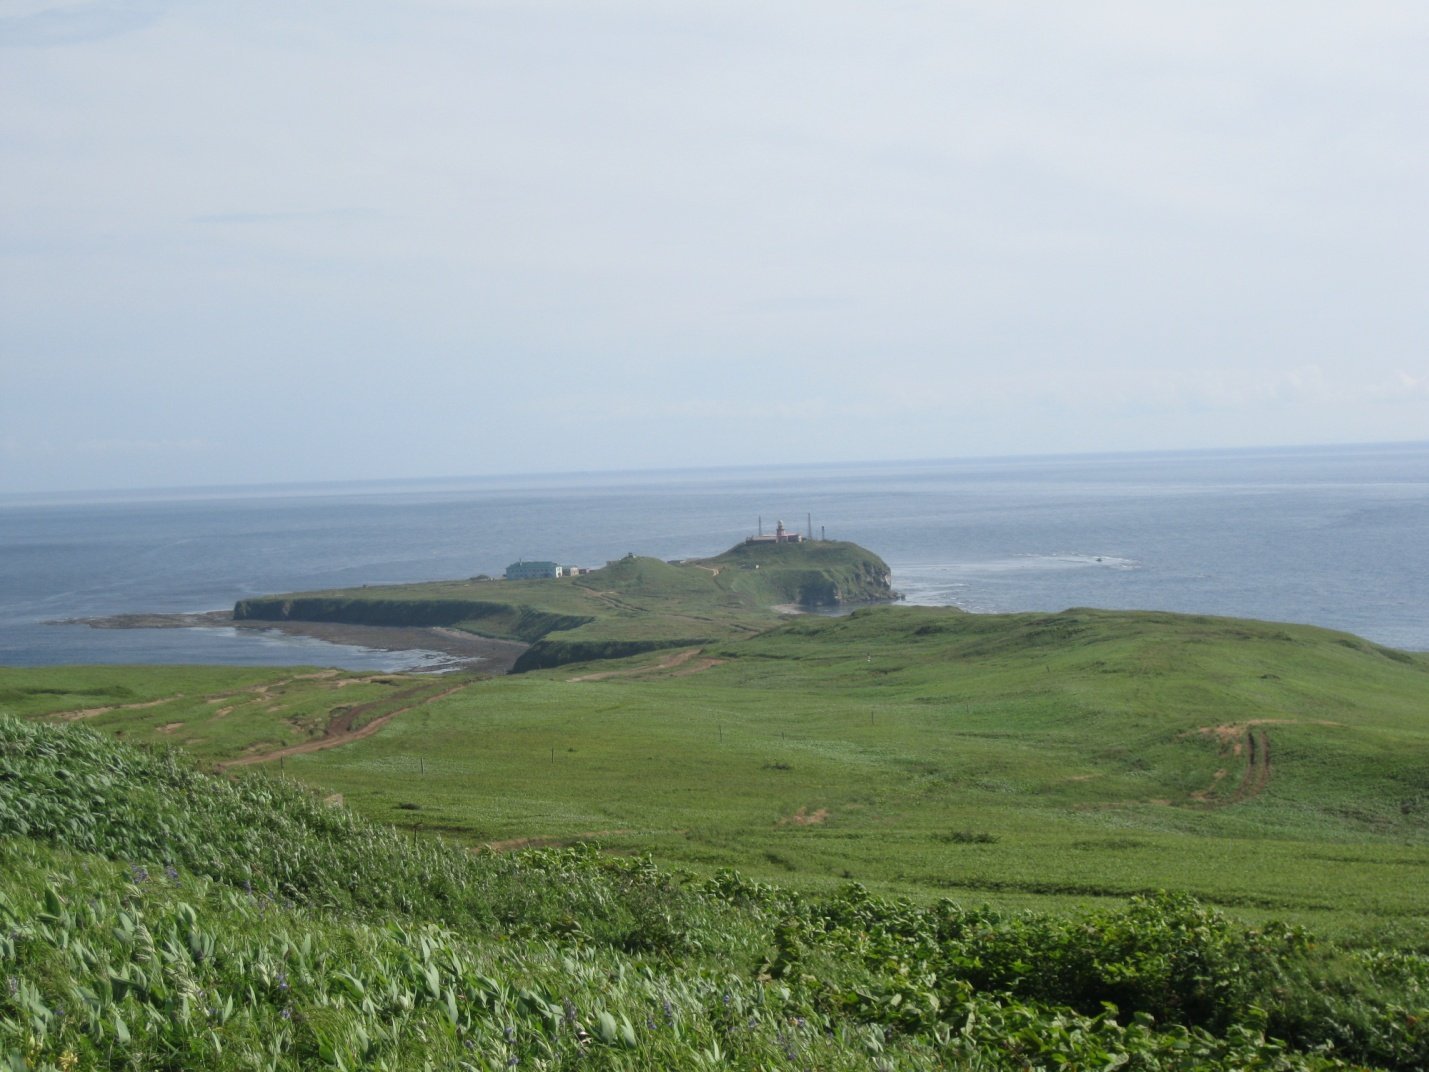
155,917
1019,760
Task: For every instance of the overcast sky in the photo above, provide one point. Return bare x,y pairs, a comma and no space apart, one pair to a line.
325,240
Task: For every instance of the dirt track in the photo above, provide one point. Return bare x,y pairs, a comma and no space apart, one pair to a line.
338,731
1250,740
516,844
669,662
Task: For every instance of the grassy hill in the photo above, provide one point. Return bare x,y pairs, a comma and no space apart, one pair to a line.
902,838
152,916
1029,760
631,605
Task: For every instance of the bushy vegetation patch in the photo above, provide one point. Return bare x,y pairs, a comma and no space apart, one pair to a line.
155,917
272,838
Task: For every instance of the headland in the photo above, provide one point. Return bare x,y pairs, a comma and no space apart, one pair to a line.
630,605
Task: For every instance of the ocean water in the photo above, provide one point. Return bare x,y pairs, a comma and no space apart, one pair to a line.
1329,536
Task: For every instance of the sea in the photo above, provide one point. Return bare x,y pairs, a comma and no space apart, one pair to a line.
1330,536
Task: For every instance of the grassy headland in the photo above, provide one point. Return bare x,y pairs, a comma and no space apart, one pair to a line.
630,605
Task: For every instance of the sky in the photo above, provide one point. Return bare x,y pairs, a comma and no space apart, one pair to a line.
270,242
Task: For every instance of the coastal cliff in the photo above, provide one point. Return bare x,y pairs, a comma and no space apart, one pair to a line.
505,621
811,574
631,605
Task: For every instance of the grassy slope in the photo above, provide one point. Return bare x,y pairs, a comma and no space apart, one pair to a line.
154,917
215,713
1022,759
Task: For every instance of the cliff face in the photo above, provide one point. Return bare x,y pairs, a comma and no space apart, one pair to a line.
558,651
506,621
824,573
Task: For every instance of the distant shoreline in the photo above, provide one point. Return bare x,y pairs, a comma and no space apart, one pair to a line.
467,651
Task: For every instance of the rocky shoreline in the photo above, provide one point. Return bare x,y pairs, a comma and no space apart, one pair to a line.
466,651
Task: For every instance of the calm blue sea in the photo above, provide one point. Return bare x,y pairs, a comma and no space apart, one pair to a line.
1331,536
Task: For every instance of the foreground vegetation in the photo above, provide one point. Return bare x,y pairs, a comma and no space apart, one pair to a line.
152,916
904,838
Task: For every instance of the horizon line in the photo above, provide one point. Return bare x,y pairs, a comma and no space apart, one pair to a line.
334,484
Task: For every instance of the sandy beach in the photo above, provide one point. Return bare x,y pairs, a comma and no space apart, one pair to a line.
467,650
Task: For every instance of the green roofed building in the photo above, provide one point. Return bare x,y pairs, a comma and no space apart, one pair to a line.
526,571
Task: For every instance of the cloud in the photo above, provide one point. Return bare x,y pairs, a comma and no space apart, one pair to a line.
916,225
121,446
294,216
1400,387
23,448
72,24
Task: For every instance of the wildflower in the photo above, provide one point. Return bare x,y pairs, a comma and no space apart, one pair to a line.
287,1013
171,873
138,874
790,1047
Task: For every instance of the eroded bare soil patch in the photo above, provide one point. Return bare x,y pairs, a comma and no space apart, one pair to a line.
804,817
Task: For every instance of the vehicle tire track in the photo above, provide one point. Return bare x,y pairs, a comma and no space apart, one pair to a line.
339,731
668,662
1257,767
1250,740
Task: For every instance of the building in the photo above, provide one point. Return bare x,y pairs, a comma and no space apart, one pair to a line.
528,571
780,535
